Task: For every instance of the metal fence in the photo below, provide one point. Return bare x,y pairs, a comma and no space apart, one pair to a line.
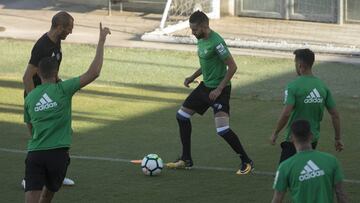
352,11
331,11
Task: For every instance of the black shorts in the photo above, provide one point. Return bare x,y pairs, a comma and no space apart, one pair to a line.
46,168
199,101
288,150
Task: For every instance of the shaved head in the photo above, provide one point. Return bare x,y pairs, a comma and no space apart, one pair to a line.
62,18
62,24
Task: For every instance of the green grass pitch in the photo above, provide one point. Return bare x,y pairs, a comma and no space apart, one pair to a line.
130,112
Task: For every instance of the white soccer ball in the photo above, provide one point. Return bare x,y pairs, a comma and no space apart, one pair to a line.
152,165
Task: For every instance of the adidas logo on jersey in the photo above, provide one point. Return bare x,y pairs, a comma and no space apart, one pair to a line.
313,97
44,103
311,170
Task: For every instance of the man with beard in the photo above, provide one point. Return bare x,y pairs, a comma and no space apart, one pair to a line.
217,67
49,45
305,98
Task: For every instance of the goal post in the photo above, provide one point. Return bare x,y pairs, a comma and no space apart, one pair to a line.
259,31
177,12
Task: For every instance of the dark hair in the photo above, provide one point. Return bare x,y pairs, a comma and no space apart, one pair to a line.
48,67
301,130
306,56
61,18
199,17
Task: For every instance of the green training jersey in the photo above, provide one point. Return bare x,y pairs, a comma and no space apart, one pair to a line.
309,95
48,109
212,53
310,176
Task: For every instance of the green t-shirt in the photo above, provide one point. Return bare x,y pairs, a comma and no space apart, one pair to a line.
310,176
48,109
212,53
309,95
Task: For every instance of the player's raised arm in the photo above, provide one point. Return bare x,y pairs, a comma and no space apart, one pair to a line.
94,70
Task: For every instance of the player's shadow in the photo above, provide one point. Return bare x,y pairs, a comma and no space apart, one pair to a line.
161,124
122,96
14,109
18,85
255,109
11,84
137,62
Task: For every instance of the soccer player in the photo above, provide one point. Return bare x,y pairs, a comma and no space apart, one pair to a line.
217,67
305,98
48,117
310,175
49,45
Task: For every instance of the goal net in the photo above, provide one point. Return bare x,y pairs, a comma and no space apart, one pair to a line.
174,25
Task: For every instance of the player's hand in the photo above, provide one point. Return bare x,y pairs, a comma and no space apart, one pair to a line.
273,139
215,94
339,146
103,33
187,81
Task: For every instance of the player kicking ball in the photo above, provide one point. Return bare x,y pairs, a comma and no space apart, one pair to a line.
47,113
217,67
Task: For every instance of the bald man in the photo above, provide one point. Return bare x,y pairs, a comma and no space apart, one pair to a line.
49,45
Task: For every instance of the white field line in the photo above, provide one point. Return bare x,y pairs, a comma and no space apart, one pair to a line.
97,158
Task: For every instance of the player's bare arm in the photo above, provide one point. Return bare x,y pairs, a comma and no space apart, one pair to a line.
94,70
340,193
285,115
278,197
335,118
232,67
29,126
191,79
30,71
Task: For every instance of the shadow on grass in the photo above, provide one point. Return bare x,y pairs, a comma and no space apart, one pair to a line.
163,121
18,85
11,84
165,65
76,115
157,130
122,96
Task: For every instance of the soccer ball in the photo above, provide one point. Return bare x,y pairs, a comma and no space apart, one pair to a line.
152,165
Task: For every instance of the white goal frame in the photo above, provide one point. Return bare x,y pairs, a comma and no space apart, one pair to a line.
164,34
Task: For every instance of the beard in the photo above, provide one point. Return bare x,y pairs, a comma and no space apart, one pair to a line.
200,36
63,35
